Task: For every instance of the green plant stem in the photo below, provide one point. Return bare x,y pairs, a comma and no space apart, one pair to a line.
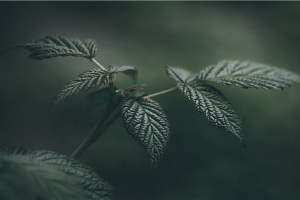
98,64
94,135
102,124
98,129
161,93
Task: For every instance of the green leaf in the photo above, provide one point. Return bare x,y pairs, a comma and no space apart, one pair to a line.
209,101
178,74
212,103
247,74
22,177
89,80
13,151
146,121
128,70
53,46
94,186
128,92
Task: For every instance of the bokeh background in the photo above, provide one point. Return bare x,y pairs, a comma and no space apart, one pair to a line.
201,161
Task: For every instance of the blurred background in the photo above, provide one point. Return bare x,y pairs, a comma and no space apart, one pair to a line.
201,161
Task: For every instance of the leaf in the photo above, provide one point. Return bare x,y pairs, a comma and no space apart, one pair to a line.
209,101
22,177
178,74
128,92
53,46
13,151
128,70
95,187
247,74
89,80
145,120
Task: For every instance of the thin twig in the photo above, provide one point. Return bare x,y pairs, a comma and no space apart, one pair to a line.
98,64
162,92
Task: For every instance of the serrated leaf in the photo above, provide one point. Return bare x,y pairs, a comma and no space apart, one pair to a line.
146,121
53,46
13,151
89,80
95,187
212,103
128,70
22,177
247,74
178,74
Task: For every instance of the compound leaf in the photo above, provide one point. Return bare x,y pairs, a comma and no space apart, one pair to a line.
13,151
247,74
212,103
53,46
209,101
95,187
89,80
23,177
145,120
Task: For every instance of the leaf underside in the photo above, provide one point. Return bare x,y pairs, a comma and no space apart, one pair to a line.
22,177
209,101
53,46
48,174
247,74
96,187
13,151
145,120
89,80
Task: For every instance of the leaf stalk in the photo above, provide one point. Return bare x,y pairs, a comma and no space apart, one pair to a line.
98,64
161,93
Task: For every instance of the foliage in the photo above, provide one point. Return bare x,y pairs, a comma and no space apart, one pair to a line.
145,120
53,46
247,74
142,117
47,175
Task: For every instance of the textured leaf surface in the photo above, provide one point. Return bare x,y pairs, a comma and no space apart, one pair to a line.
89,80
22,177
13,151
248,75
96,187
128,70
178,74
209,101
145,120
53,46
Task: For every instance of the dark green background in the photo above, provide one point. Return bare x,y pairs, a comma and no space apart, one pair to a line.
201,161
